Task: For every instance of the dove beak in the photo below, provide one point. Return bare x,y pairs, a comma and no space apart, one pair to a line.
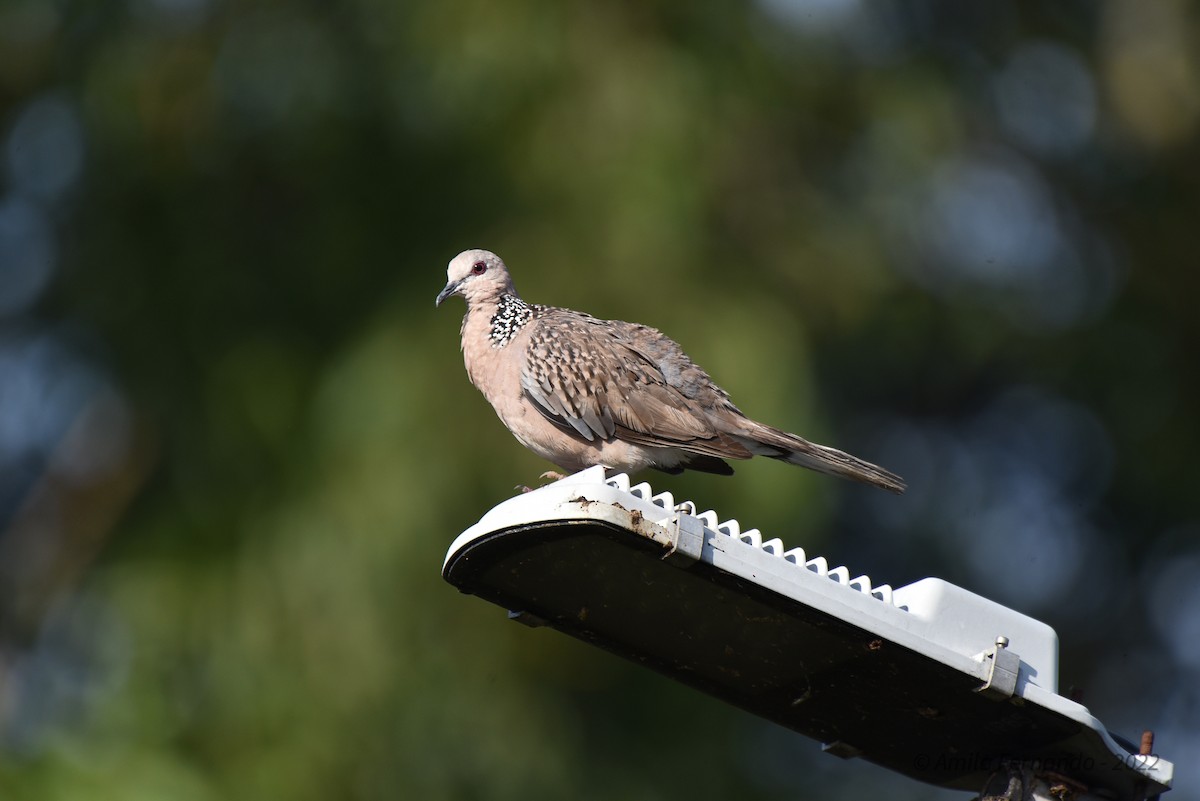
450,290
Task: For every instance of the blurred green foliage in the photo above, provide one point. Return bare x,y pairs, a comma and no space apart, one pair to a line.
835,206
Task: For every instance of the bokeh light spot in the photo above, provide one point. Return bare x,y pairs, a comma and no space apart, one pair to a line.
1047,99
1175,607
27,255
45,148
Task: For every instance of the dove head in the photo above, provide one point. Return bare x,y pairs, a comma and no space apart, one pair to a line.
478,276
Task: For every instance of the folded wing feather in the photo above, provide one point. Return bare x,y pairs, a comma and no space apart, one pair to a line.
587,379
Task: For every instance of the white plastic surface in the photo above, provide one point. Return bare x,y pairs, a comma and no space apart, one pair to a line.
926,613
933,617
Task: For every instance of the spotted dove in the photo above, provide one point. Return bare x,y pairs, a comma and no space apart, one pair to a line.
579,391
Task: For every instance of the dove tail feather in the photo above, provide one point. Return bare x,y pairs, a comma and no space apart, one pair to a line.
799,451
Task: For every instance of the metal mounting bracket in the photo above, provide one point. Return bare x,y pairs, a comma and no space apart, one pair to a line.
688,544
1005,666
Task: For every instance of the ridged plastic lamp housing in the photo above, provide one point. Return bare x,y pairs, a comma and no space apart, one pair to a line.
929,679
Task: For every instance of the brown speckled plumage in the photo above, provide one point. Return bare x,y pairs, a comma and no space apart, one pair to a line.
579,391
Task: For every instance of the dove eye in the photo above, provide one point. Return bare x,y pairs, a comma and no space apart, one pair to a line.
479,268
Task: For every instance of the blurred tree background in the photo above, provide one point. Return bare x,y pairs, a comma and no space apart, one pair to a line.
236,438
